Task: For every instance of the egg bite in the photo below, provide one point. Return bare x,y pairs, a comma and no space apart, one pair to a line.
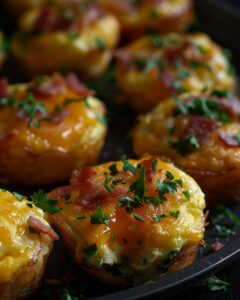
200,133
131,221
48,127
154,67
74,36
139,17
26,240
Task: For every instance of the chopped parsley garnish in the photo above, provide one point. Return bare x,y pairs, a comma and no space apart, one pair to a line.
150,64
41,200
66,296
107,185
113,169
187,145
91,251
158,218
101,44
156,40
127,166
220,93
186,195
202,107
99,217
154,165
224,213
199,64
215,283
174,214
139,186
19,196
129,204
102,119
138,217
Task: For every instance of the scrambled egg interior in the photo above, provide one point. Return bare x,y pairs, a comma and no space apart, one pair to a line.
70,133
155,67
22,253
116,239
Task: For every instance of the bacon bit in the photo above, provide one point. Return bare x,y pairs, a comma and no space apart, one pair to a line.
201,127
232,106
39,227
3,87
79,88
51,87
217,246
79,176
91,193
57,118
59,193
124,56
43,22
91,15
228,139
148,169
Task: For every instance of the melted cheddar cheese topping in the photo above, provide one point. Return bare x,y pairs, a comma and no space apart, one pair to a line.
19,246
103,213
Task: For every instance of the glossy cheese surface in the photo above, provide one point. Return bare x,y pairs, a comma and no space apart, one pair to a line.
132,241
214,162
84,42
162,16
47,152
155,67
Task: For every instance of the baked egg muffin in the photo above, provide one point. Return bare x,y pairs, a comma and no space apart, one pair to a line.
48,127
200,133
138,17
66,36
130,221
26,240
154,67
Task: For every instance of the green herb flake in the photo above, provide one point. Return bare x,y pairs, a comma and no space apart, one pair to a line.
91,251
158,218
154,165
113,169
186,195
138,217
99,217
187,145
19,196
41,200
127,166
215,283
100,43
81,217
174,214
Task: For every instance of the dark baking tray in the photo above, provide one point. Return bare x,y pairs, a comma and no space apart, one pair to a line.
221,19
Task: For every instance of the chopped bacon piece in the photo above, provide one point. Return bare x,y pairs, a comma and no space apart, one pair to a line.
39,227
217,246
60,192
79,88
123,56
228,139
58,117
43,22
231,106
201,127
82,175
148,169
50,87
92,14
3,87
